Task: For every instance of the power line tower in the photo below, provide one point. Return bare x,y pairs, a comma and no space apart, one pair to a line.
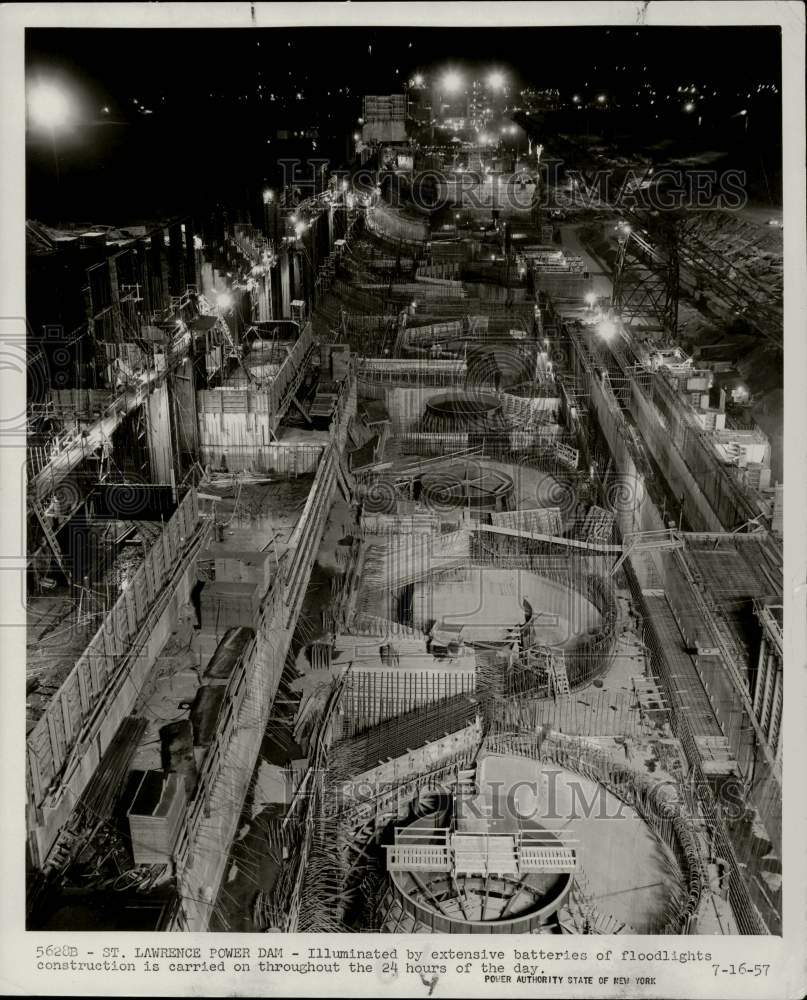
646,277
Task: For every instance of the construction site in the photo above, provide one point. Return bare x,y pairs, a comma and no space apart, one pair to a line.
397,570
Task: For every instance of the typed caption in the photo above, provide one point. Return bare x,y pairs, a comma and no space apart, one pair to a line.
579,970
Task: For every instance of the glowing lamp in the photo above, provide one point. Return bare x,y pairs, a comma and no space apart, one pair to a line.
49,106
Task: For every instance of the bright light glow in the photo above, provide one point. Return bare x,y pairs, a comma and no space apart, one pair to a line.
452,82
299,229
418,81
591,298
268,196
601,98
224,300
484,139
496,81
606,328
689,106
576,99
48,106
356,136
344,185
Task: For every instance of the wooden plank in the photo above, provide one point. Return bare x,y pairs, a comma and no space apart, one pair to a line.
66,721
137,587
131,611
34,774
166,547
55,745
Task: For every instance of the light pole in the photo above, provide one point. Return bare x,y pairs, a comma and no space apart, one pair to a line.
449,84
49,108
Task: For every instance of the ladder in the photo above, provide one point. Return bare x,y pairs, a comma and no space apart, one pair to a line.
51,537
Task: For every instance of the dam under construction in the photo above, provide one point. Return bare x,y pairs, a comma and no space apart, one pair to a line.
396,572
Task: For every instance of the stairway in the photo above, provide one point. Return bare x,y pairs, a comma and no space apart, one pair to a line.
579,915
558,675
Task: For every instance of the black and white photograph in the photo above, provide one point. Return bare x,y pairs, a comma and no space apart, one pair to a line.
401,476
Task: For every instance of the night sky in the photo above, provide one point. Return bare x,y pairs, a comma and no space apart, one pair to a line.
211,131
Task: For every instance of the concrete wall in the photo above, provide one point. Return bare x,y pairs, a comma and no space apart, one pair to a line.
634,510
697,509
202,850
244,441
47,821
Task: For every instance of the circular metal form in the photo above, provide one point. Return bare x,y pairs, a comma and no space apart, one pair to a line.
457,412
457,902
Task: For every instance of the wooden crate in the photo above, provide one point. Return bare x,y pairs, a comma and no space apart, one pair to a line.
155,814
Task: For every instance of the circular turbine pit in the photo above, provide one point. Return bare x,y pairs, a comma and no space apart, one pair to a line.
474,902
469,412
531,845
467,484
487,603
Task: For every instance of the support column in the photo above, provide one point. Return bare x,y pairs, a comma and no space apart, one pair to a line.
186,428
115,297
160,445
190,253
285,286
265,297
765,707
160,270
